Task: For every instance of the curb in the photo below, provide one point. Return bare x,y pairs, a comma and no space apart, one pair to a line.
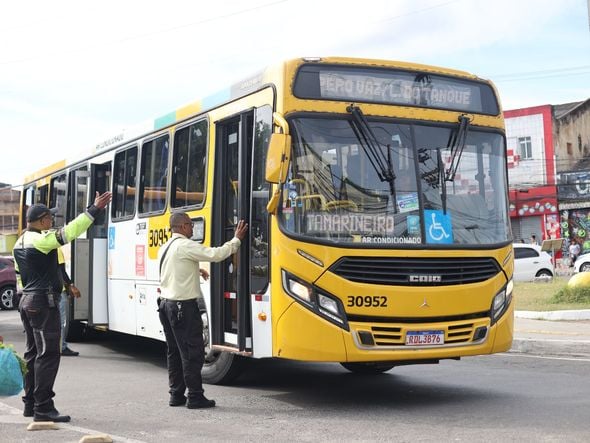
553,347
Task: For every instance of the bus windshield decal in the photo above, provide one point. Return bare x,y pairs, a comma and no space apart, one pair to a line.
395,87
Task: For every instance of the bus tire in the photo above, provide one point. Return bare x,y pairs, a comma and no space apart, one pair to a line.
368,367
221,368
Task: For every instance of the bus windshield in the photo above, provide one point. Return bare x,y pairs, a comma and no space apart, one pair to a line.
394,187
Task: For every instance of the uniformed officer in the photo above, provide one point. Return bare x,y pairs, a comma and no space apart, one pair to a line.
35,254
179,309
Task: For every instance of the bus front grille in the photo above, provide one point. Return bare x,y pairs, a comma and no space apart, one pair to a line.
393,335
406,271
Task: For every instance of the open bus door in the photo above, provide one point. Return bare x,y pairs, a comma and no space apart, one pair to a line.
240,192
89,255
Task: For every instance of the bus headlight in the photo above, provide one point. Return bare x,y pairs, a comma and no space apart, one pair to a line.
501,301
299,290
315,299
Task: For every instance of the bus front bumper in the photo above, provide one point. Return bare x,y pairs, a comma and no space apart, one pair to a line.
301,335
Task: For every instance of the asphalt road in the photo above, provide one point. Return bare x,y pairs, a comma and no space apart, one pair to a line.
118,386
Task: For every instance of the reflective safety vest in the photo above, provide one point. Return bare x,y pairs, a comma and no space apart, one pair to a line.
35,255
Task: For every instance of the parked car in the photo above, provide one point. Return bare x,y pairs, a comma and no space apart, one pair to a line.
531,262
7,283
582,263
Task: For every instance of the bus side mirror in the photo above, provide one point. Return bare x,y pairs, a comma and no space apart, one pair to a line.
278,157
277,160
277,165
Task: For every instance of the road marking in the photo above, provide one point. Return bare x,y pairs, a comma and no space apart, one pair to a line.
11,415
516,354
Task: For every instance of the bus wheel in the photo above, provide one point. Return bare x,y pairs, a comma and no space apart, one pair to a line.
219,367
368,368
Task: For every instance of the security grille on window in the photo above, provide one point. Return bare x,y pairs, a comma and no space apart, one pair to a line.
526,147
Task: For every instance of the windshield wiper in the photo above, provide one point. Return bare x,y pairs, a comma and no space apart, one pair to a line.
456,145
441,178
380,162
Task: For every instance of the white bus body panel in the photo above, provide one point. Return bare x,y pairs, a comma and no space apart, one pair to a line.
261,329
100,315
122,240
121,306
148,320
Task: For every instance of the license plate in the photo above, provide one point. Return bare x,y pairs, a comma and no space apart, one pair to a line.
425,338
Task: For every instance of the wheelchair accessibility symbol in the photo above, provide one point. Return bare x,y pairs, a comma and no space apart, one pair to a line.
438,227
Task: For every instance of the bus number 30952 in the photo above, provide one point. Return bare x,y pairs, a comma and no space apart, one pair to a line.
375,301
157,237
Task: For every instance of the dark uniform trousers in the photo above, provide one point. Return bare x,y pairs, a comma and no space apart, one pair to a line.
42,353
183,328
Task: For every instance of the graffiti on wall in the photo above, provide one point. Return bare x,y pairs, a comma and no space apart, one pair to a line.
576,224
574,185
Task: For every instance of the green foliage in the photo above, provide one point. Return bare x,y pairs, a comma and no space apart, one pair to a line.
572,295
21,362
541,296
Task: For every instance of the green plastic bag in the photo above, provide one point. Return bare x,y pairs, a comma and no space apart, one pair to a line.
11,377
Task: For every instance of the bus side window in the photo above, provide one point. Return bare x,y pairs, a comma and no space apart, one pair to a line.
154,175
189,163
57,199
124,183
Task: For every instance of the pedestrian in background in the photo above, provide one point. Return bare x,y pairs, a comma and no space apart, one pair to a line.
574,250
534,240
179,309
68,290
35,254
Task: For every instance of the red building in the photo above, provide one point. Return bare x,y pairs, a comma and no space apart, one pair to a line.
531,173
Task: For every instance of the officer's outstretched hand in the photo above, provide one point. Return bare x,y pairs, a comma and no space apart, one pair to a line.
102,200
241,229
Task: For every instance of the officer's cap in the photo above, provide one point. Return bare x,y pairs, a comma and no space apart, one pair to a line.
38,211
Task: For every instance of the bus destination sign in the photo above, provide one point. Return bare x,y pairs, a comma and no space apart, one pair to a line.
399,91
395,87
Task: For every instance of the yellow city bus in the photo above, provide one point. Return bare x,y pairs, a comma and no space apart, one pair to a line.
376,195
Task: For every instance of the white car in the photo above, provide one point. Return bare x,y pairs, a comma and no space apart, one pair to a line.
530,262
582,263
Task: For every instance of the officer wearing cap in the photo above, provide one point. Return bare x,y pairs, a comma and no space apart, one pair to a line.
35,254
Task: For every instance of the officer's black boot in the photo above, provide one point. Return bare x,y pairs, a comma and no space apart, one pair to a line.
51,416
200,402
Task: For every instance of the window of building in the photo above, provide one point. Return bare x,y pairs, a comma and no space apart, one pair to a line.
154,175
526,147
124,184
57,199
570,150
189,165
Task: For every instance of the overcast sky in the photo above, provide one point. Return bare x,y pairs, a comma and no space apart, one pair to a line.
73,73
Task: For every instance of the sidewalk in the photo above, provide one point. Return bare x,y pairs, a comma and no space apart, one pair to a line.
555,333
